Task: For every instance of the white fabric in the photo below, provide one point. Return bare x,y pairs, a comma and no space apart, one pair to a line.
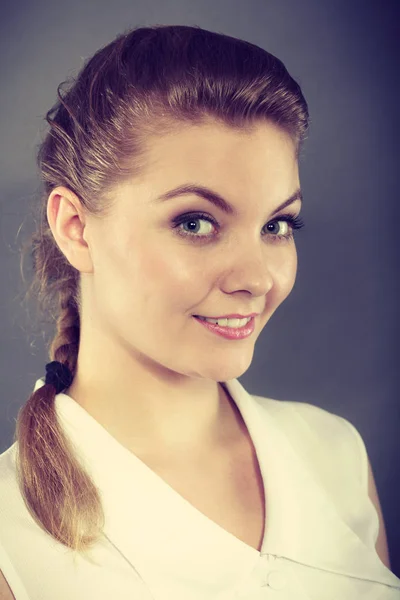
320,533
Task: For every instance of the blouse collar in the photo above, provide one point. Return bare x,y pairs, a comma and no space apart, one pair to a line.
166,537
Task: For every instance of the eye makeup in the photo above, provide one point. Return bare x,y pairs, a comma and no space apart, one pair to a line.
292,222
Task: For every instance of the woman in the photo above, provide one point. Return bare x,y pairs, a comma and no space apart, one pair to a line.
141,467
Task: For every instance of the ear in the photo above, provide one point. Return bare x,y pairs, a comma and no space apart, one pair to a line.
381,543
67,222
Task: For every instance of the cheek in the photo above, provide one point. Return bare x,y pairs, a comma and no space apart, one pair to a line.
284,274
173,270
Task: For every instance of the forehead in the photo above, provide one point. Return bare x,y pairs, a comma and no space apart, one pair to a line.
212,146
256,167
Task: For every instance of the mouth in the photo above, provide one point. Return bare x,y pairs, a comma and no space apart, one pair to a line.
226,321
233,329
231,316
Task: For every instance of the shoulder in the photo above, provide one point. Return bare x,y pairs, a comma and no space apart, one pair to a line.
381,542
8,479
312,423
335,441
5,590
16,522
11,586
7,470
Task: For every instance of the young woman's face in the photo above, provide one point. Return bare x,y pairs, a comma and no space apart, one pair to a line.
156,264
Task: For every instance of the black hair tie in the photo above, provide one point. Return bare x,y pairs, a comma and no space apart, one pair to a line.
58,375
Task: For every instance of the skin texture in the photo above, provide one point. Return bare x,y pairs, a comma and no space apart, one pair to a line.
147,371
5,591
381,545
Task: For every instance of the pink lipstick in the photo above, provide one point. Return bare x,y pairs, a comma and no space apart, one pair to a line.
231,333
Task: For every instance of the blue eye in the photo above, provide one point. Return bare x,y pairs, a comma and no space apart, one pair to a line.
291,223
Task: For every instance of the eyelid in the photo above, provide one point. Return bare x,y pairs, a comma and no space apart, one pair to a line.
200,214
293,220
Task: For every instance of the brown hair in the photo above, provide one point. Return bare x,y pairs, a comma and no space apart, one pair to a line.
147,82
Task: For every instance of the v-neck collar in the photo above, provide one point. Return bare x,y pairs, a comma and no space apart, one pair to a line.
303,522
166,538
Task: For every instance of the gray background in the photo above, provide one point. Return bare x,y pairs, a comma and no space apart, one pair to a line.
334,341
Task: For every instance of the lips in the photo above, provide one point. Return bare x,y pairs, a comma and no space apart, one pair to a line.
230,333
235,316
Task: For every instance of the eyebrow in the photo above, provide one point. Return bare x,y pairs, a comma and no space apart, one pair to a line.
216,199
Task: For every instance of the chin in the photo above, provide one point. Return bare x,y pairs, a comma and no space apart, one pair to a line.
220,373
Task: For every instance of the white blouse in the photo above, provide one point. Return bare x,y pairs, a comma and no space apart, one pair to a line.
319,537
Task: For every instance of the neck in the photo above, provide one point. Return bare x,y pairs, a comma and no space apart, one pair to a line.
157,420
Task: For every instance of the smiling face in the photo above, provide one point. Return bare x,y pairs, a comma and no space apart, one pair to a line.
148,278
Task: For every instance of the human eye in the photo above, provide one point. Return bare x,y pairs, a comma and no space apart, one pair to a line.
191,218
291,223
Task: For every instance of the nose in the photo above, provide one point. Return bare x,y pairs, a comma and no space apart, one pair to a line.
250,269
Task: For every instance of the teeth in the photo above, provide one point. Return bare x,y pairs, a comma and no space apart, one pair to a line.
233,323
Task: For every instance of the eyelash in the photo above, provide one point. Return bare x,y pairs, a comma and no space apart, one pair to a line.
292,220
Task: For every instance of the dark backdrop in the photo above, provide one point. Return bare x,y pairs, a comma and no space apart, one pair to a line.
334,341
